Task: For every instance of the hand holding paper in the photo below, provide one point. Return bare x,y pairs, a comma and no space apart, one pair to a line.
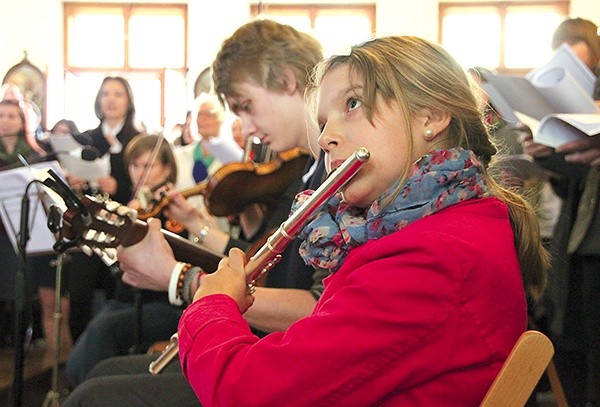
554,101
585,151
75,162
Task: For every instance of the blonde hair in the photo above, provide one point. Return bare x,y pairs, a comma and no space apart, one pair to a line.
259,52
415,74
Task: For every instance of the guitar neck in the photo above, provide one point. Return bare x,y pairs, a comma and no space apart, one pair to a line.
183,249
109,226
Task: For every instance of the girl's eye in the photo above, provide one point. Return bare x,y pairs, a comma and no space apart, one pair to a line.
353,103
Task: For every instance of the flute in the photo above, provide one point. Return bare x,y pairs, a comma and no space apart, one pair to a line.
270,253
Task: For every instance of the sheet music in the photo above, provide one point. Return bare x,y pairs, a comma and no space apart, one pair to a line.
87,170
13,183
563,85
556,129
564,92
565,59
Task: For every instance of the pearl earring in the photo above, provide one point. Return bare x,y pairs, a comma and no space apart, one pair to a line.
428,134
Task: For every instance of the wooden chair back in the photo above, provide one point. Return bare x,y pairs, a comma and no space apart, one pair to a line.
521,371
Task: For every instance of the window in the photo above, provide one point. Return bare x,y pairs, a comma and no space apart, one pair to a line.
504,36
335,26
145,43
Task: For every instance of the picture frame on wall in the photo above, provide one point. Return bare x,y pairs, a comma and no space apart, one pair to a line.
32,83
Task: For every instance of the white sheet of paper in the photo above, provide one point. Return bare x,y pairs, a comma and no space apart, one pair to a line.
13,183
557,129
87,170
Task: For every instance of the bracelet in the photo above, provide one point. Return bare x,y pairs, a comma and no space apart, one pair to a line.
201,235
174,299
191,275
180,280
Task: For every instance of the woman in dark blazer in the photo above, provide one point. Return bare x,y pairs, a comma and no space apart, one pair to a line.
115,109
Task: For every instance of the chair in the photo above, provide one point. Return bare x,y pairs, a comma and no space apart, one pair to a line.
521,372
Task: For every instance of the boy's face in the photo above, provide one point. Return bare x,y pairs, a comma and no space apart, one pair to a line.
276,118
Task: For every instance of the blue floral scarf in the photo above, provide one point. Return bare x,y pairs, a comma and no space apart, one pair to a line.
437,180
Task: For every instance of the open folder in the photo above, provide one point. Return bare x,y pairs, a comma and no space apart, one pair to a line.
554,101
14,182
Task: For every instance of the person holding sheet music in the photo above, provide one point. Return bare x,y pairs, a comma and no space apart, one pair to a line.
114,106
113,331
574,281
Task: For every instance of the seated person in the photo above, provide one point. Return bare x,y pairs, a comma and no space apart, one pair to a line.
283,55
427,252
113,331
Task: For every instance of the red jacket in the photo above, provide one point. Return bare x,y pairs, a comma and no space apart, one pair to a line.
422,317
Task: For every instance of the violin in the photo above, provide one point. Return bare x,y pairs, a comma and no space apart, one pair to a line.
236,185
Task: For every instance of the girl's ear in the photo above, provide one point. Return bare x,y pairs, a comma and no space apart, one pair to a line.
289,81
435,122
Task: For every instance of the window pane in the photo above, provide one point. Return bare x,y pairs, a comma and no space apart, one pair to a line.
80,93
459,26
299,19
175,98
156,41
146,95
337,31
96,40
526,47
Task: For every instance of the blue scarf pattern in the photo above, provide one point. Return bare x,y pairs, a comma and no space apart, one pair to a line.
437,180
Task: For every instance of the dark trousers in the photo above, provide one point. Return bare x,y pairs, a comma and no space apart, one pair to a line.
578,349
124,381
86,274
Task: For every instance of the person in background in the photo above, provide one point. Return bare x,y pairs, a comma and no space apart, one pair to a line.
574,280
65,126
46,280
213,145
14,143
33,116
113,331
114,107
237,131
276,59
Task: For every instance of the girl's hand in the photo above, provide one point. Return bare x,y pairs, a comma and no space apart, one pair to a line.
229,279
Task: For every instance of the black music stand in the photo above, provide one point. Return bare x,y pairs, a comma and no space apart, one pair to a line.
23,212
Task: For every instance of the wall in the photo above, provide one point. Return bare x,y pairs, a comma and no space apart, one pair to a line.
36,26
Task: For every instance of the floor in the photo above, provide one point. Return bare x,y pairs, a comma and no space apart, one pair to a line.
37,389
